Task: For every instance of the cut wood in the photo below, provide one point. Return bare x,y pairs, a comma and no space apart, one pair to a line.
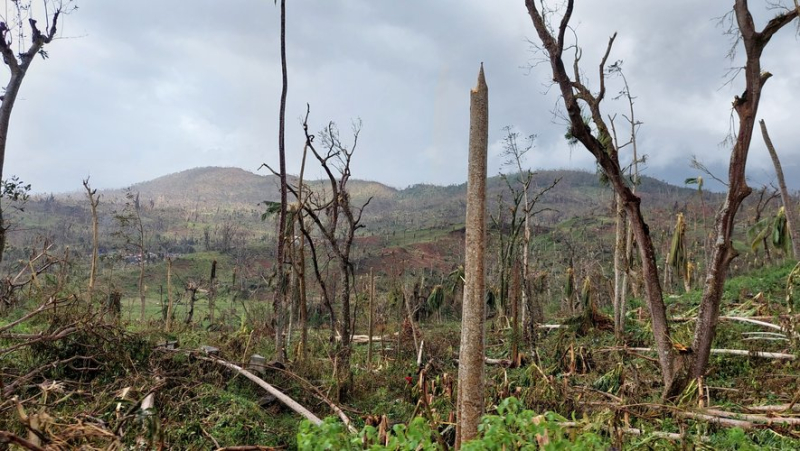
287,401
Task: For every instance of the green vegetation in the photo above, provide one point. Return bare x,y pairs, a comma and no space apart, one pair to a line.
563,390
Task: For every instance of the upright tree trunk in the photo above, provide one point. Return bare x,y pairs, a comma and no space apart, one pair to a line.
515,297
142,257
168,322
526,243
300,262
786,198
470,367
279,301
619,266
627,276
9,97
212,291
93,202
343,372
371,320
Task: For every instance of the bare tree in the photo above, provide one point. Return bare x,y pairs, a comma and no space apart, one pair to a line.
623,250
337,221
19,48
576,96
471,352
786,199
94,201
133,233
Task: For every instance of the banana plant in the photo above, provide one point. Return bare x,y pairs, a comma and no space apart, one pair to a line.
774,228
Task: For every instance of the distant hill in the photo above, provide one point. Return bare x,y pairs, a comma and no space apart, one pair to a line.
228,187
195,209
417,206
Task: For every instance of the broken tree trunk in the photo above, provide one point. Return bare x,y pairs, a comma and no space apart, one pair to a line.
470,369
785,197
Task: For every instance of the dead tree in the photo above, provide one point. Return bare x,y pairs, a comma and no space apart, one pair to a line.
786,199
746,109
279,302
582,104
623,250
336,220
521,211
94,201
19,49
132,231
471,352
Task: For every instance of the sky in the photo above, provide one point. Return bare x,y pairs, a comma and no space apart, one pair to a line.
135,90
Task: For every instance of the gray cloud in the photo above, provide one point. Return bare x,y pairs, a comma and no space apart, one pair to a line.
135,90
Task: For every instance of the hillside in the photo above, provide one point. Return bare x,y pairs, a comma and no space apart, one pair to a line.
218,208
214,188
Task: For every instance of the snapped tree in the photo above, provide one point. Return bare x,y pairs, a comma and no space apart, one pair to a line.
469,407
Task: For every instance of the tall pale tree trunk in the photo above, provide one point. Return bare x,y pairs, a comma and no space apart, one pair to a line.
526,245
788,205
470,364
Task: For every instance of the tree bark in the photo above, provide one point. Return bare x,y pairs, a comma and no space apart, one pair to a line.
470,369
786,198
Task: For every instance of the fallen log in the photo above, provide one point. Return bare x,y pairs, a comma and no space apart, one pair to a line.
774,408
722,421
287,401
742,319
741,352
754,418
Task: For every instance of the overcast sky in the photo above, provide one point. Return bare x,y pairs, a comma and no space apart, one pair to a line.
136,90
